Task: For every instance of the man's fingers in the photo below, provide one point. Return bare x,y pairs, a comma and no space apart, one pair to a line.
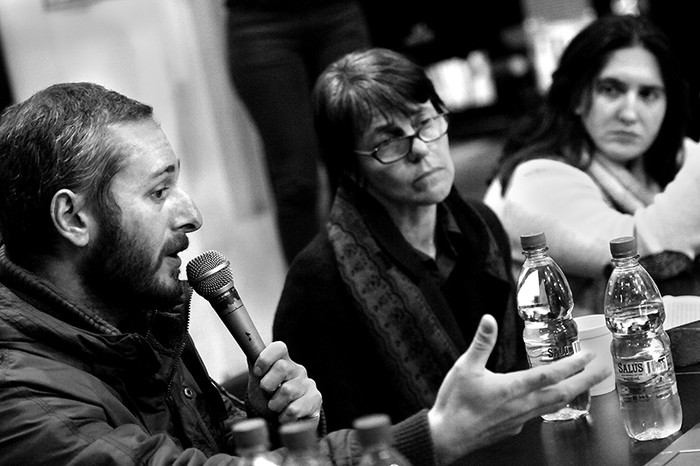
301,409
273,352
296,400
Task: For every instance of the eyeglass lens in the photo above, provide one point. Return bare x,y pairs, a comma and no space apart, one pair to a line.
398,148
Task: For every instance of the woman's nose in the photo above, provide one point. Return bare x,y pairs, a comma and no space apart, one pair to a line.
628,108
419,150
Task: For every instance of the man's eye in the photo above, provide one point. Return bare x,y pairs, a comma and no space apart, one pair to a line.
160,193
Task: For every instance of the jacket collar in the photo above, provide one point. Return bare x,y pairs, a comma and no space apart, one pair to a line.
34,316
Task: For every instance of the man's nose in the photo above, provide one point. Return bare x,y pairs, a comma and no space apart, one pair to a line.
188,217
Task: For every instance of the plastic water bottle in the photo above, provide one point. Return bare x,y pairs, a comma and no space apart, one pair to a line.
252,442
545,304
302,445
374,432
641,349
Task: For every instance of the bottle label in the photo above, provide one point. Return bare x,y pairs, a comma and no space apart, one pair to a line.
558,352
640,371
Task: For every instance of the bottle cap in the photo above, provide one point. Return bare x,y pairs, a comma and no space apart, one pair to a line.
250,433
624,246
373,429
299,435
533,241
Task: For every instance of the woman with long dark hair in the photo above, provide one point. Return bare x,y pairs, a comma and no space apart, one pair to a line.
604,157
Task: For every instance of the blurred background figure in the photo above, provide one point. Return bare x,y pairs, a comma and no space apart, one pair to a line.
604,157
276,49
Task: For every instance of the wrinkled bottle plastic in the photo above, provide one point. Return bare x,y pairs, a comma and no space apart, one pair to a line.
545,304
641,349
374,432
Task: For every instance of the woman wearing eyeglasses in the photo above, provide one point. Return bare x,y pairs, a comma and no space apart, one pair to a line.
385,299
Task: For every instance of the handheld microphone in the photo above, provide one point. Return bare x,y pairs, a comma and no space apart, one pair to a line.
210,276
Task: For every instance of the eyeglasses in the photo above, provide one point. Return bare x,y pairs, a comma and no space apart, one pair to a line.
393,150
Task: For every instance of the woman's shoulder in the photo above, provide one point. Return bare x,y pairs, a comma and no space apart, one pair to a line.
310,282
545,173
546,165
535,172
533,183
315,258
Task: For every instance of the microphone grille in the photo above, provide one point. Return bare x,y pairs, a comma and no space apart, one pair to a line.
209,274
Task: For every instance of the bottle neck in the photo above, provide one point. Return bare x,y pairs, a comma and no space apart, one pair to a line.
536,254
625,262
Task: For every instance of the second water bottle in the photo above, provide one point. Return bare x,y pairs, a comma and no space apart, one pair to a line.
641,349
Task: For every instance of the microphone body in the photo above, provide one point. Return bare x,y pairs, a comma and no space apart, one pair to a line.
210,276
234,315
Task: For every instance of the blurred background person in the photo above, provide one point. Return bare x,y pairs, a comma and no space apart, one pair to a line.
604,157
386,297
276,49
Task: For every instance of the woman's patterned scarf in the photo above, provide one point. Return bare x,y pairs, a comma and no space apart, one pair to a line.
394,308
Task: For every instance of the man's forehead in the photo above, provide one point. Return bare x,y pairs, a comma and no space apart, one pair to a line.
135,133
145,148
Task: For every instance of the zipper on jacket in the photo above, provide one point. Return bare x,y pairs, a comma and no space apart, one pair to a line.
204,430
178,357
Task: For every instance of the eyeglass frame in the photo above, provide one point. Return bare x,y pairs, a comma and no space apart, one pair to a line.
373,153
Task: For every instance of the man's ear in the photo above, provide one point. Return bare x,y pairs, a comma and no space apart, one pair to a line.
70,217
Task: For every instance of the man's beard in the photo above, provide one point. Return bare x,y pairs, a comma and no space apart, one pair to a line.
119,272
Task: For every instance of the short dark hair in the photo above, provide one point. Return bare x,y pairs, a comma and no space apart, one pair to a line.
558,131
58,138
356,88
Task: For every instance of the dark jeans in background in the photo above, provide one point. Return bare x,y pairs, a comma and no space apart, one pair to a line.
275,56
